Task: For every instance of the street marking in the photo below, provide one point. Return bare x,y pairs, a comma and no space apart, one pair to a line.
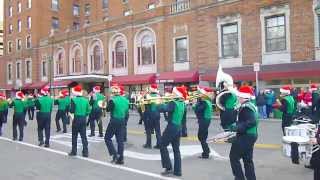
186,151
136,171
195,139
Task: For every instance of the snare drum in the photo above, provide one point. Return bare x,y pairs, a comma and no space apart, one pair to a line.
311,129
296,131
303,143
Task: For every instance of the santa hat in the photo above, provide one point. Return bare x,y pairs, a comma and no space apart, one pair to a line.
77,91
246,92
19,95
122,91
180,92
45,90
285,89
313,87
207,91
2,96
154,88
115,89
96,89
64,93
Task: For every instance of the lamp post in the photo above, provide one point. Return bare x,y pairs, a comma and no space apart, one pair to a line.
51,59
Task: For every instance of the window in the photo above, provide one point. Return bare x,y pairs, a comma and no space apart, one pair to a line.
87,9
59,63
147,50
119,56
19,25
10,46
55,23
10,11
28,69
127,12
44,68
229,40
19,43
19,7
76,26
105,4
55,5
10,28
29,4
275,29
76,10
151,6
76,61
29,22
181,50
96,59
18,68
28,42
9,72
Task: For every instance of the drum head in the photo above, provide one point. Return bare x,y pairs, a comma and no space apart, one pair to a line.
297,139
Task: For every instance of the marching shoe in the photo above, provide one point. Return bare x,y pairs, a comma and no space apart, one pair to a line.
114,159
120,162
72,154
167,172
46,145
156,147
85,155
41,143
146,146
92,135
100,135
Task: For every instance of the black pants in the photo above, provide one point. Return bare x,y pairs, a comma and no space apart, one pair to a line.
79,127
269,110
31,112
152,122
44,123
95,116
184,131
140,114
202,137
242,148
1,122
18,120
115,128
125,138
286,121
171,135
61,114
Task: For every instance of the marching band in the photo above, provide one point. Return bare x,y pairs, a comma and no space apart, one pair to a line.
238,115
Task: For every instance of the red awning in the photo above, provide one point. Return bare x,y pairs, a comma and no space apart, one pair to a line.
178,77
36,85
135,79
7,87
269,72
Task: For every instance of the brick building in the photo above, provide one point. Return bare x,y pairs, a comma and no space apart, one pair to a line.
164,41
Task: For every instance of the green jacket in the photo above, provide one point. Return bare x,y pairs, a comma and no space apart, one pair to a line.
19,106
119,107
3,105
44,104
80,106
178,112
94,101
63,103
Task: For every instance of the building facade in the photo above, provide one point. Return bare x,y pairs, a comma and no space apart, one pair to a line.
164,41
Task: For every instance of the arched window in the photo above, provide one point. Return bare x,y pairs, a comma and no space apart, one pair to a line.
96,59
119,59
146,48
76,64
59,64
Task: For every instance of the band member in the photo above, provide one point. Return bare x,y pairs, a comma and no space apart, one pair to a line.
63,103
18,115
3,110
31,106
287,106
152,118
44,104
315,159
118,107
96,111
203,111
246,128
184,129
226,99
123,93
315,108
172,132
139,107
80,108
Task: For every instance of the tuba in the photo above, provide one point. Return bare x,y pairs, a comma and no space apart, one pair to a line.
224,86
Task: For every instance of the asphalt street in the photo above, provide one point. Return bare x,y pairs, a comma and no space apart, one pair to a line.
25,160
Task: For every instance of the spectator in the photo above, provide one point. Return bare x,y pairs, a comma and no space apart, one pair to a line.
261,103
270,100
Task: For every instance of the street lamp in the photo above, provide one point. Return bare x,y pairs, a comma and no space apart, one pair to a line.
51,59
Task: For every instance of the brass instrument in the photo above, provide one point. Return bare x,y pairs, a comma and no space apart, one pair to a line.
102,104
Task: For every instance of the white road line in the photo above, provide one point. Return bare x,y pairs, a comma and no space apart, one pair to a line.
136,171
